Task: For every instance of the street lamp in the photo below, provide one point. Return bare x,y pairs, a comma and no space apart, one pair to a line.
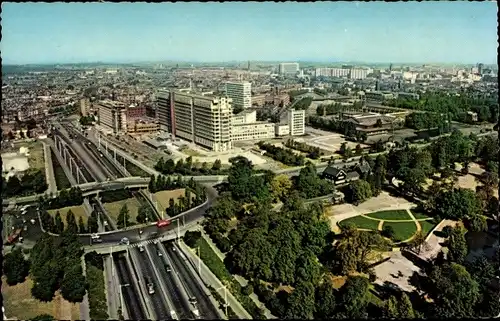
225,297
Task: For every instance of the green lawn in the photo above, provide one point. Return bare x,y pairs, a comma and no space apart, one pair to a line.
361,222
427,226
399,215
402,230
419,215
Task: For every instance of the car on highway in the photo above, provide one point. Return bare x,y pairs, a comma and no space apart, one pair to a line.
151,289
168,268
159,253
125,241
95,238
192,300
141,248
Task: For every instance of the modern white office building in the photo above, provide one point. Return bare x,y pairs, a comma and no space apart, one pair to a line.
288,68
203,120
246,127
240,93
297,122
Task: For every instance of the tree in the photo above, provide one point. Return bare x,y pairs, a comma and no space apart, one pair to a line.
58,223
457,204
405,307
81,226
325,300
457,245
477,223
13,186
352,252
217,165
123,219
280,187
73,284
355,297
71,226
455,292
417,242
301,302
359,191
390,309
359,150
92,223
15,267
144,214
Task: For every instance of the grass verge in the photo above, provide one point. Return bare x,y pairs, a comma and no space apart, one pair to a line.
113,208
420,216
402,230
426,226
19,303
390,215
361,222
78,210
218,268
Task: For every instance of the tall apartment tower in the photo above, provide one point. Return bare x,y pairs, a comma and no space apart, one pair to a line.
288,68
297,121
240,93
203,120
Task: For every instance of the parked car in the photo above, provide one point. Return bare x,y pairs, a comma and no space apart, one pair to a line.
151,289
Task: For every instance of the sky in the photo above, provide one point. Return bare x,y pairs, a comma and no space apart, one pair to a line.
376,32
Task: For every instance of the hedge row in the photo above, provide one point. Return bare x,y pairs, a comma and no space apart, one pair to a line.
97,298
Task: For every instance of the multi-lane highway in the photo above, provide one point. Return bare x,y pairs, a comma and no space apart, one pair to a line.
189,280
158,298
134,309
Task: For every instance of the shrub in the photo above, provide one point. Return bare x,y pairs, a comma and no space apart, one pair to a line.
388,231
248,289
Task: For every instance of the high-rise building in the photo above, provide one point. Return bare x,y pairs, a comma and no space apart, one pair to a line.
203,120
240,93
358,73
390,67
297,121
288,68
113,115
480,67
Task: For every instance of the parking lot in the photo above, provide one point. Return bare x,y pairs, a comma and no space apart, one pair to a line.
397,270
326,140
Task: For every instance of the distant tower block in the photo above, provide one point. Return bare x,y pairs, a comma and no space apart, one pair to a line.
248,68
390,67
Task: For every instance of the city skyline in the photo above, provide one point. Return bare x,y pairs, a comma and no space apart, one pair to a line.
196,32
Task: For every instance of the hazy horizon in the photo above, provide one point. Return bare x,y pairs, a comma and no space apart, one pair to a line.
447,33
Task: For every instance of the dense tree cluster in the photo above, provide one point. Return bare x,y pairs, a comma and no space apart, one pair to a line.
162,183
310,185
420,121
15,267
87,120
336,108
294,93
32,182
56,264
347,129
303,104
186,167
279,247
312,152
455,105
66,197
282,155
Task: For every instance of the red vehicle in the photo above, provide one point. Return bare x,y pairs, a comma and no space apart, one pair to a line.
13,237
162,223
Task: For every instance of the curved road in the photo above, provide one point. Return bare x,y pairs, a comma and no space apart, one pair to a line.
34,231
